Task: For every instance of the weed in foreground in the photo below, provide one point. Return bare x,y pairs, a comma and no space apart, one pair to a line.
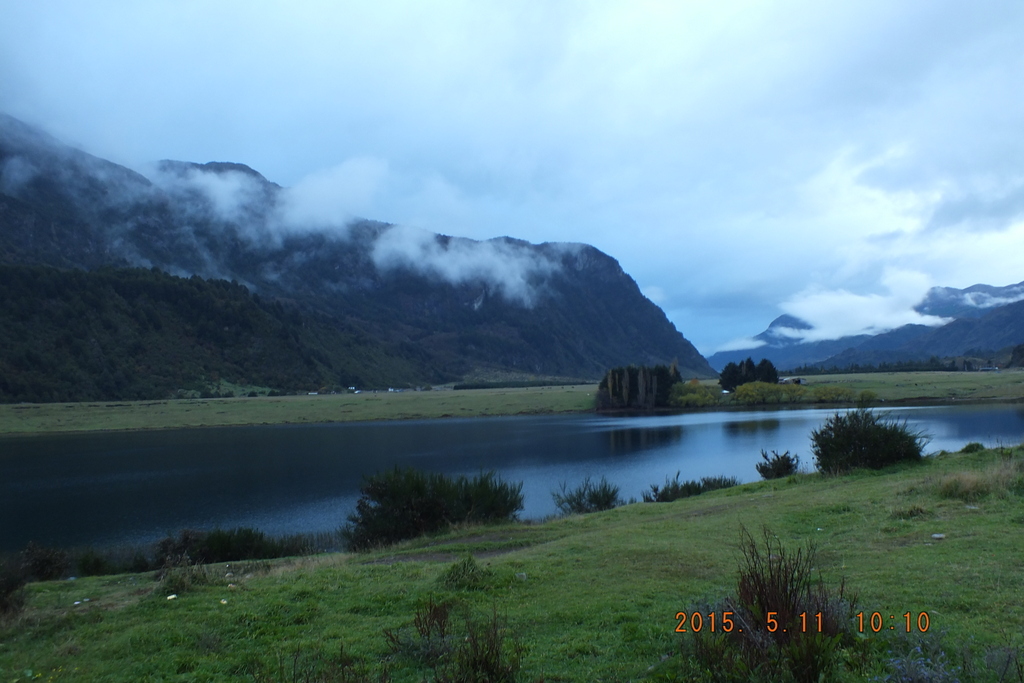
788,623
1005,476
488,653
966,486
482,650
674,489
429,639
181,575
910,512
306,667
587,497
466,574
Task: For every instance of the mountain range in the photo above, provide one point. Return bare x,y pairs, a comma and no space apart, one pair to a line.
980,320
449,308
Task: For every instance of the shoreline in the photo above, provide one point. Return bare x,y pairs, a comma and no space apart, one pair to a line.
44,419
27,420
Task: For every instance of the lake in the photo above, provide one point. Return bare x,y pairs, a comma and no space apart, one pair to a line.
136,487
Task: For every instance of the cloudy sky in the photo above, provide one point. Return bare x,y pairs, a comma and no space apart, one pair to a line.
832,160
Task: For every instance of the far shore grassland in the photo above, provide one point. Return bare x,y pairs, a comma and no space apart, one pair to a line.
890,388
589,597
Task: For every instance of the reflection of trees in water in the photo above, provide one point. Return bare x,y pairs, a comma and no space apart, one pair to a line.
751,427
637,439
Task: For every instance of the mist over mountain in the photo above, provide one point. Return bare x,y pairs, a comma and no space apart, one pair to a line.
463,307
979,318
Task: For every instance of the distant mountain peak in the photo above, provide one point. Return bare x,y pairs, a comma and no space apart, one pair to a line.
790,322
181,168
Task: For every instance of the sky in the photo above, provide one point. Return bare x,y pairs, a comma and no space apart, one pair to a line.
741,160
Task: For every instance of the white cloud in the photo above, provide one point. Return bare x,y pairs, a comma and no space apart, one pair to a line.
840,313
510,268
741,343
332,197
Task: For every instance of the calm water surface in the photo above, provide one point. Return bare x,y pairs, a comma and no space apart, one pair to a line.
99,489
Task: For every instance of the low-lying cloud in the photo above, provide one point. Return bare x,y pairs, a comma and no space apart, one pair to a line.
833,314
331,198
512,268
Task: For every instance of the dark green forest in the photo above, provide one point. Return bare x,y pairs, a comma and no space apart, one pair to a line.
133,334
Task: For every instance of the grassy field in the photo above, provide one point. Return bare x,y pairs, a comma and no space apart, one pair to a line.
924,386
70,417
908,387
592,598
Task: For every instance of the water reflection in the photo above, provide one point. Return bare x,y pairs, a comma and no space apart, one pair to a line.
641,439
112,487
747,427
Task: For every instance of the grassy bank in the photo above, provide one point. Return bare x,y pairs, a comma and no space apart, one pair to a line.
593,598
39,418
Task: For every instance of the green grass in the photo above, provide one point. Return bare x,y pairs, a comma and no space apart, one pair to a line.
592,597
923,386
38,418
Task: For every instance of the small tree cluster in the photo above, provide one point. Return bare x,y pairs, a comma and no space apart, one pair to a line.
692,394
640,388
733,375
860,438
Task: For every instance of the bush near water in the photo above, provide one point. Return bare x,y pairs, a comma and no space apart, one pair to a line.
405,503
861,438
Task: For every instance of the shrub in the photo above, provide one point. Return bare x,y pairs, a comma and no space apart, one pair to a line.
91,563
241,543
966,486
674,489
758,393
777,466
719,482
402,504
182,574
45,564
465,574
692,394
170,549
830,394
587,497
860,438
866,398
972,447
12,583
